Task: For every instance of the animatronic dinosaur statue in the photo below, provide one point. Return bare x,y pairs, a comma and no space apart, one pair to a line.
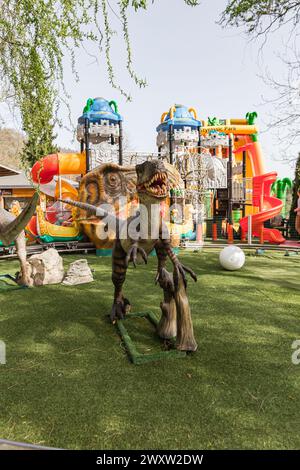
114,185
137,235
12,230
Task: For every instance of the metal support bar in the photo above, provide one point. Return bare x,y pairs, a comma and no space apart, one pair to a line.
171,143
87,143
229,183
244,185
120,143
199,140
250,229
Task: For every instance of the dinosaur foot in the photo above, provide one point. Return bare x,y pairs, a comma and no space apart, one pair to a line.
23,279
187,344
119,309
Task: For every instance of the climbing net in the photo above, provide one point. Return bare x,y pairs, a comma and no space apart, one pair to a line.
200,172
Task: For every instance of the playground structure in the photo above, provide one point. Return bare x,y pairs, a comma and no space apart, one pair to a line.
237,192
225,190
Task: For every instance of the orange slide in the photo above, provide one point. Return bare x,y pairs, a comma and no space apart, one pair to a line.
268,205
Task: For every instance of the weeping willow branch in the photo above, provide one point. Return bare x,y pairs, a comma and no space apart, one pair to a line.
139,82
35,37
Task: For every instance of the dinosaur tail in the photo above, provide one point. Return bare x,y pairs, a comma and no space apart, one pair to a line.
12,230
115,222
87,207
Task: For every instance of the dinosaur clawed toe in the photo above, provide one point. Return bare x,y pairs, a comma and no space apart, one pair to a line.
181,270
132,254
119,309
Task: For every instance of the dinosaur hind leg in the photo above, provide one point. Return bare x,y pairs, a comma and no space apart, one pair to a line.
167,326
24,277
185,333
121,305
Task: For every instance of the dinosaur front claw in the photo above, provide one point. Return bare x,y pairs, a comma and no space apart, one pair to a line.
132,254
181,270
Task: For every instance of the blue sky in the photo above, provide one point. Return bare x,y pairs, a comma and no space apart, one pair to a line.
186,58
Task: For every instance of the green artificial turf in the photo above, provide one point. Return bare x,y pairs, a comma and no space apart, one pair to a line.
68,382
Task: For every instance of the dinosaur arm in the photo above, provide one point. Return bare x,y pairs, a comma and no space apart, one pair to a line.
179,268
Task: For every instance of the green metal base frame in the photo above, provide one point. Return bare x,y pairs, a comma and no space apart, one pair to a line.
134,355
6,285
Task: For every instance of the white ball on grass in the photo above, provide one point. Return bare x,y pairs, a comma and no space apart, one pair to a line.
232,258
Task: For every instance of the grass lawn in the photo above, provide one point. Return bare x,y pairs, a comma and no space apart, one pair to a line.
68,383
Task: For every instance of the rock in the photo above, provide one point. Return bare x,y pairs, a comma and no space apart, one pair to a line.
46,268
79,273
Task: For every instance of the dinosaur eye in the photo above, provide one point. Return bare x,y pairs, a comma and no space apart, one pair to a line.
112,184
113,179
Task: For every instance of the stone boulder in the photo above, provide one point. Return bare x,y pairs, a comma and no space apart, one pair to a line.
46,268
79,273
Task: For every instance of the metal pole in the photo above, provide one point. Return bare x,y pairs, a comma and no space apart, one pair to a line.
199,139
244,183
171,143
250,229
87,143
229,182
60,196
120,143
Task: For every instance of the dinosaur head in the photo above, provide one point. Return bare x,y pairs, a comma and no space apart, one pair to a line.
152,179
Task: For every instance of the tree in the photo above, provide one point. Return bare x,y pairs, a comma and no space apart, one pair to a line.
11,146
35,36
260,18
296,187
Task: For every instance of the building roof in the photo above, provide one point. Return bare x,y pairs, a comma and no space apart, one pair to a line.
7,171
16,181
20,181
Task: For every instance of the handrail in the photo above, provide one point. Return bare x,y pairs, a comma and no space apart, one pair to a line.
114,104
163,116
193,111
172,111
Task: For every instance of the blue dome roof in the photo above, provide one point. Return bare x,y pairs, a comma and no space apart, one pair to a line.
182,118
99,108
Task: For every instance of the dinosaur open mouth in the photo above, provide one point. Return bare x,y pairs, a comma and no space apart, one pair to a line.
157,186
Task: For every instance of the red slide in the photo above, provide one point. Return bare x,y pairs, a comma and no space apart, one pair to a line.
268,207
